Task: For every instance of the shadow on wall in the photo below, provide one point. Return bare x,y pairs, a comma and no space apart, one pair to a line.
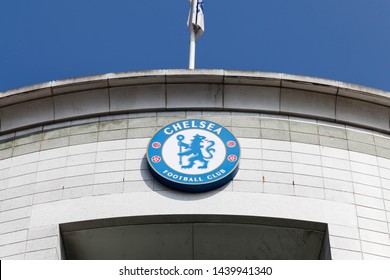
202,237
167,192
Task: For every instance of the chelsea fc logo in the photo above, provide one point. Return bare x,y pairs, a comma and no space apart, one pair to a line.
193,155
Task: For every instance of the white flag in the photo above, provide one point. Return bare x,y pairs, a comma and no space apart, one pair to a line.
196,19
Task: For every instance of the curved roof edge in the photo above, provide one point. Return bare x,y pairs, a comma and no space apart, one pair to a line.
160,90
204,75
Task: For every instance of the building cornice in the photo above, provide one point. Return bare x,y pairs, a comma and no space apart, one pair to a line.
166,90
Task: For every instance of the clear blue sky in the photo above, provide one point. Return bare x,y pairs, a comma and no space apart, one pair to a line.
45,40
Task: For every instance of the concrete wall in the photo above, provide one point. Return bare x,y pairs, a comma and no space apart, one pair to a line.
312,149
291,168
167,90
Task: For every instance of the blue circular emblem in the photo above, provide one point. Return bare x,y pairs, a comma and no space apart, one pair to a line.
193,155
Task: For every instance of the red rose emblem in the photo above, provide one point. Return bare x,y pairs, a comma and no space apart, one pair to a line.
156,159
232,158
156,145
231,144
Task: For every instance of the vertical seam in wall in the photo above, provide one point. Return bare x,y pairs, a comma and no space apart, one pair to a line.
354,200
335,105
383,197
124,159
94,161
66,164
280,94
127,148
389,121
322,166
52,100
291,156
28,232
166,91
32,200
109,97
223,92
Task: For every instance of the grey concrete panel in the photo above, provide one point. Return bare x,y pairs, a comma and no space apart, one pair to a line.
136,78
84,121
58,133
364,93
183,96
141,132
6,145
226,121
331,131
18,95
233,77
362,148
362,113
297,96
278,124
251,122
360,137
84,128
304,138
142,122
171,114
246,132
83,139
55,143
5,153
112,125
80,84
112,135
137,98
382,141
311,128
28,139
308,103
333,142
275,134
310,84
254,98
79,104
382,152
27,114
199,76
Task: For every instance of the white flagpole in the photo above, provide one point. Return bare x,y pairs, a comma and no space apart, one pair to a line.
193,36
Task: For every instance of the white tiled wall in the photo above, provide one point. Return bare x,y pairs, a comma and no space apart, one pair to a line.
349,190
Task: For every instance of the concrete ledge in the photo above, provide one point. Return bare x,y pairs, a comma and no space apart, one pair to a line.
252,98
81,104
226,203
197,96
137,97
161,90
30,113
364,113
308,103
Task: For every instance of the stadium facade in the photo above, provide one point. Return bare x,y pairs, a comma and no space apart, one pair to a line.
313,179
